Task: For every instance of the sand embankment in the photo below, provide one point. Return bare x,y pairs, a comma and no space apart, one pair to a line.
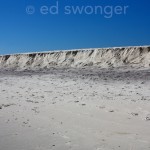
107,57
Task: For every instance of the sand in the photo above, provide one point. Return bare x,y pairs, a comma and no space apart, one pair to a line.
100,57
87,108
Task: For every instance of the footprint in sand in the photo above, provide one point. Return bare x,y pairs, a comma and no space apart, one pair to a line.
6,105
111,110
148,117
83,104
134,114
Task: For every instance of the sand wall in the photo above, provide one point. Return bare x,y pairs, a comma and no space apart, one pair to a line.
108,57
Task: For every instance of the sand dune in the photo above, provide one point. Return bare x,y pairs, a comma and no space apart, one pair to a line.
107,57
76,100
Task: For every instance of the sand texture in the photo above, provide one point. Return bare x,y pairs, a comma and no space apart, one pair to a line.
75,109
96,99
104,58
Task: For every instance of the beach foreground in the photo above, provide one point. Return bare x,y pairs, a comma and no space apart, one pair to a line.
75,109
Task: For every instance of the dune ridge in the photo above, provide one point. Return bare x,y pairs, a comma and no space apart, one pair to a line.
101,57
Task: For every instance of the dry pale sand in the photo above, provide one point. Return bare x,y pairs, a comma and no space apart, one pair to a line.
75,109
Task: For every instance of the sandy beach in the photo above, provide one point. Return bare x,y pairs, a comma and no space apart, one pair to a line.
75,109
74,75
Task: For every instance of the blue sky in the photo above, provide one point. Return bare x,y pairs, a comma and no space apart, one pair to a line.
37,28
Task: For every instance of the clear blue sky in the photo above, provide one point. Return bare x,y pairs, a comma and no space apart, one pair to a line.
43,31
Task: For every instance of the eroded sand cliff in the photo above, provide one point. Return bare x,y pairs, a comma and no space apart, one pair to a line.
107,57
